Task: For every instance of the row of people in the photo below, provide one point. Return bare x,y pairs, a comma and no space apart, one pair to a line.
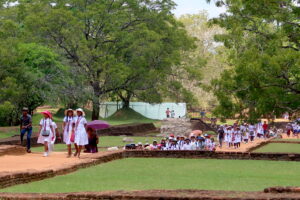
293,128
75,131
178,143
234,135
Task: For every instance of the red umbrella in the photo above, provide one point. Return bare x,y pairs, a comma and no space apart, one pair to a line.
98,125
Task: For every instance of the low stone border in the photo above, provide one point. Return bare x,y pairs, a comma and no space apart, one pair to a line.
212,155
154,195
282,190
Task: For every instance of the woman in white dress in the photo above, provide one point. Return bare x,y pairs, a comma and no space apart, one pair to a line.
79,128
46,131
67,130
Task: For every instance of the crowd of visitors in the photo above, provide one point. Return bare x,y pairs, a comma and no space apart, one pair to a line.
204,142
75,131
236,134
228,136
293,129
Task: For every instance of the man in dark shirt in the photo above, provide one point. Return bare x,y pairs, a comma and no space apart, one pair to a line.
26,126
221,135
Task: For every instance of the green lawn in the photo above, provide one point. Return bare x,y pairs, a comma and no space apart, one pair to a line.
280,148
293,139
8,134
105,141
160,173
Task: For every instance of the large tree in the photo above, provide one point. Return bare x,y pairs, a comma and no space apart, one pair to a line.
264,41
94,35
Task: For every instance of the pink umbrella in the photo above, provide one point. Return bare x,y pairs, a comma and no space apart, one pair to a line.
98,124
197,132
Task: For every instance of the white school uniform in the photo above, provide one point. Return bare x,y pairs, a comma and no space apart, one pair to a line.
226,135
212,146
51,144
238,136
187,146
68,129
45,123
173,147
81,137
193,144
180,144
246,135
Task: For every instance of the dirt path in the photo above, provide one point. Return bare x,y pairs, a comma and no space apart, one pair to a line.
243,147
36,162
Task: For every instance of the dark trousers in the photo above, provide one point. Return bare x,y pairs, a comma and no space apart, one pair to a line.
29,132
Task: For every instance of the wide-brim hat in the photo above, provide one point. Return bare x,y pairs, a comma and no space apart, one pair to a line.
48,113
69,110
80,110
25,109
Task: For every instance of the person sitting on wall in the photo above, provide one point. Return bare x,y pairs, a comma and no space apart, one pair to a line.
93,141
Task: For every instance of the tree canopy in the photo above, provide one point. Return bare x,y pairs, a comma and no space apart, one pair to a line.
263,39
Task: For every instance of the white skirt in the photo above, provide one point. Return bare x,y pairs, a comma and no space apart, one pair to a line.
42,139
67,137
81,137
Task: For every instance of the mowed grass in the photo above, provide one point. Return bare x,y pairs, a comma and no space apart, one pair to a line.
8,134
105,141
163,173
280,148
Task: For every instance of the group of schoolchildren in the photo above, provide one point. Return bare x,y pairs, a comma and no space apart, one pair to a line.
75,131
293,129
234,135
193,142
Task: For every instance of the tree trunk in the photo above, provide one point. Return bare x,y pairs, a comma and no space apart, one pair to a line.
96,109
96,103
126,99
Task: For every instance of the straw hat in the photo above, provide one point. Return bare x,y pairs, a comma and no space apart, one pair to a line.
25,109
69,110
47,113
80,110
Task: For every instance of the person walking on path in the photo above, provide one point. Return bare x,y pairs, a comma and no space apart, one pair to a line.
79,128
221,135
67,130
26,126
47,132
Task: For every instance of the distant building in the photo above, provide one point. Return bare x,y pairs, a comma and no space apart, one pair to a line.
151,111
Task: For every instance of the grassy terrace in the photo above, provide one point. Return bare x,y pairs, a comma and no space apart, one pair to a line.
280,148
145,174
105,141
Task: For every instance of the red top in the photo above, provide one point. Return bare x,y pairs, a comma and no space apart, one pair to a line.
265,126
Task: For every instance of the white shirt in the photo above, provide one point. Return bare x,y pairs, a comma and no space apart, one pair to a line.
187,146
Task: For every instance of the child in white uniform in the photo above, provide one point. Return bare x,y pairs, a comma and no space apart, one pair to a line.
67,130
46,131
79,128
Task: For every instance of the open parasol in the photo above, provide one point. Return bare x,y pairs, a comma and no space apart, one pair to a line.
98,124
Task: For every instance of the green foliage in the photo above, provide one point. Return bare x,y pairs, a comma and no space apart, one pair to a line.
159,173
203,63
112,42
263,39
279,148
